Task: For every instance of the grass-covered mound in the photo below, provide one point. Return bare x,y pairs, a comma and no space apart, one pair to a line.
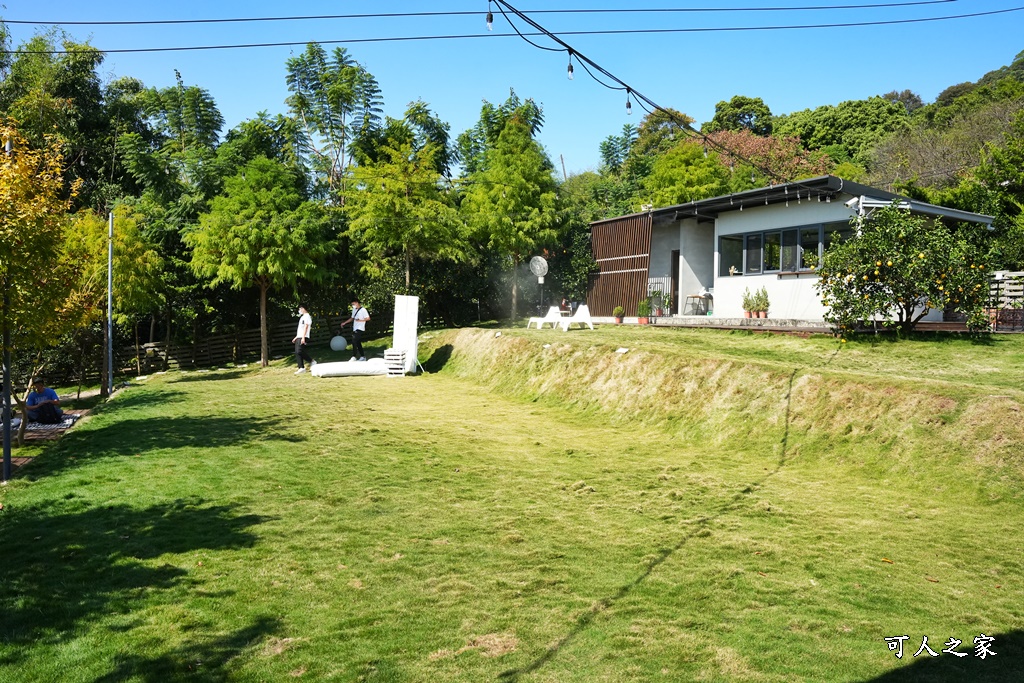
949,403
704,507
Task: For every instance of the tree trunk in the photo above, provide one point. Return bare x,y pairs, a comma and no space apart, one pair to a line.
515,295
138,359
264,351
408,260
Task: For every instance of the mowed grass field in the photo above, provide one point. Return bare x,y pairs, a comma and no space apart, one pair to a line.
707,506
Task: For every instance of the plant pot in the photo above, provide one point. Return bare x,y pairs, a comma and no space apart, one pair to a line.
618,320
762,314
643,321
747,314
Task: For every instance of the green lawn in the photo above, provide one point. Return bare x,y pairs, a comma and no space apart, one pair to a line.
708,506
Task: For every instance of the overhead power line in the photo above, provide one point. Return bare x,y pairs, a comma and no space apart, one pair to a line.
403,15
642,100
538,34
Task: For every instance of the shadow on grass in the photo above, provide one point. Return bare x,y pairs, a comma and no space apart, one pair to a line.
584,621
1006,665
131,400
198,661
439,358
212,376
64,566
139,436
890,337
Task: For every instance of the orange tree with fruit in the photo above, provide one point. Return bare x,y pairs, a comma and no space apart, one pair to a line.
896,267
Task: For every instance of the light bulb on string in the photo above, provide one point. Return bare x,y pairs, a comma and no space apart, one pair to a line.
570,67
490,17
629,105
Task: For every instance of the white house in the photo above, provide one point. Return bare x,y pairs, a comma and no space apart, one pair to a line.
769,237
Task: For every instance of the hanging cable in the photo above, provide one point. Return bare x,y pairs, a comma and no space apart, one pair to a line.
404,15
614,32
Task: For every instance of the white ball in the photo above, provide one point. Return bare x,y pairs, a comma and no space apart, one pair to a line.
338,343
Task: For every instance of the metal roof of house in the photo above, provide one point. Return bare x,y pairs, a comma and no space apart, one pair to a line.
822,188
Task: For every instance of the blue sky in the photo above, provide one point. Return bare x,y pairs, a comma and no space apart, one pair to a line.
789,69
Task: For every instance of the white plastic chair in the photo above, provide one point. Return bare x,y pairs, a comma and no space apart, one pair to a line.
554,316
581,316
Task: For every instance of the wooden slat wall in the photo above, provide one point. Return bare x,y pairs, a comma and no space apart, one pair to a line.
622,249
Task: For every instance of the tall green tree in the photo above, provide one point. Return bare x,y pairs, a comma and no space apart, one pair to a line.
474,143
397,205
741,113
37,278
685,173
337,101
615,148
1003,175
511,201
137,267
262,232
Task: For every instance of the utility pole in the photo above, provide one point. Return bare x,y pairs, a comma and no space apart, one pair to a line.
565,176
7,385
6,408
110,306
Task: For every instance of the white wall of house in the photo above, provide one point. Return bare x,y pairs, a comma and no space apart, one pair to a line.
790,296
665,238
697,265
696,244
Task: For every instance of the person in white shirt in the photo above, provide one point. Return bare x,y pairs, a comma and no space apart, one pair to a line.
301,337
360,316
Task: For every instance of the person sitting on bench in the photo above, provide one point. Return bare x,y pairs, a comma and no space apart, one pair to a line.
43,404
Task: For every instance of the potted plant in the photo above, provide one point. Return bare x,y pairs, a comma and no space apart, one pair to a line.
643,311
748,302
657,297
617,313
762,303
668,304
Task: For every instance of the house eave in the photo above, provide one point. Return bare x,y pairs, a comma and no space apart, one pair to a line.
821,188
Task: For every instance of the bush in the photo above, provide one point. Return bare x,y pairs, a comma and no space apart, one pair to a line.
896,268
618,311
749,302
643,309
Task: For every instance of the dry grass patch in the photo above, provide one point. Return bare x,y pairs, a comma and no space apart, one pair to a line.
490,645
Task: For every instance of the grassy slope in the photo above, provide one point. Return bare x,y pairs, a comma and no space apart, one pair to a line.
707,506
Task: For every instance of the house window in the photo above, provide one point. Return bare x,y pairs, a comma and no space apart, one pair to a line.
793,250
772,251
753,254
789,250
730,255
837,232
810,246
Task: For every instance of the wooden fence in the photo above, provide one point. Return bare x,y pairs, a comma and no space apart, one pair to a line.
240,347
1006,301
